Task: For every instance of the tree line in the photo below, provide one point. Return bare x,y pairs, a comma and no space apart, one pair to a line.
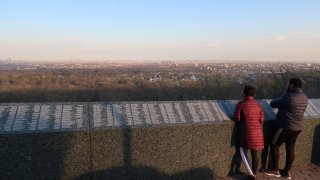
99,85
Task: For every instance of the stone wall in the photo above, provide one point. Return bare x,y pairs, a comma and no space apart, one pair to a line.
143,140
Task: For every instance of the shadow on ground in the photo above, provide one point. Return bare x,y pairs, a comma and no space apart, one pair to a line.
316,146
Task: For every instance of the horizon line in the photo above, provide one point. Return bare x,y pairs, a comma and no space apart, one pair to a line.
79,60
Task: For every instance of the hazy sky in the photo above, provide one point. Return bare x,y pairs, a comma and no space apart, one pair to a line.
160,29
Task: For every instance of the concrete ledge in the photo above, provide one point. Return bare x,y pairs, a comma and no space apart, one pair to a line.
44,156
168,152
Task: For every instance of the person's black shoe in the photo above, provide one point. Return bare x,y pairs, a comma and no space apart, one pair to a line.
273,173
286,174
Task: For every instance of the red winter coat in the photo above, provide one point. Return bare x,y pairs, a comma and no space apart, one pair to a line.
250,115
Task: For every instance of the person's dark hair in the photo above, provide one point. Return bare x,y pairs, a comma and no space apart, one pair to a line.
249,90
296,82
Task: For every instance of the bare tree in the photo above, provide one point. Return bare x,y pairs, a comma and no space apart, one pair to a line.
281,79
215,86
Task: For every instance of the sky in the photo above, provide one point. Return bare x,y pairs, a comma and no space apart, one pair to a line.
135,30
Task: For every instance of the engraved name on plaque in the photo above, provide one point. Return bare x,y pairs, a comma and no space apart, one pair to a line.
10,120
57,114
120,116
216,111
108,115
155,113
192,110
102,115
43,123
170,113
164,113
209,111
198,111
35,111
78,115
179,112
146,113
4,113
138,114
174,112
221,109
20,121
126,108
201,111
67,121
97,111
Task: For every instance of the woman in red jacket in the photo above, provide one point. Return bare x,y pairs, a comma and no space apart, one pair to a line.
249,114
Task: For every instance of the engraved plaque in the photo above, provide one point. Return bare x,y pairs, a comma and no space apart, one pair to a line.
97,112
200,111
216,111
313,105
192,110
211,114
179,113
227,108
172,112
79,115
10,120
220,108
4,114
207,111
74,116
146,113
67,120
120,113
126,108
310,111
35,111
164,113
138,114
108,115
316,103
43,123
155,113
20,121
102,115
57,115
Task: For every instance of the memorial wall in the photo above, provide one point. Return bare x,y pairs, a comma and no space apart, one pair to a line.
142,140
44,117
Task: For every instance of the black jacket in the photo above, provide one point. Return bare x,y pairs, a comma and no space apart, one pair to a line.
291,107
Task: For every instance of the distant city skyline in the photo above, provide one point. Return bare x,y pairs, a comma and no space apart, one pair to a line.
142,30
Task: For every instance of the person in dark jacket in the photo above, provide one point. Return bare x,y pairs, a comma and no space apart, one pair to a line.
289,123
250,116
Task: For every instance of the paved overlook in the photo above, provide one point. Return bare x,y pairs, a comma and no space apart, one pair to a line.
64,116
